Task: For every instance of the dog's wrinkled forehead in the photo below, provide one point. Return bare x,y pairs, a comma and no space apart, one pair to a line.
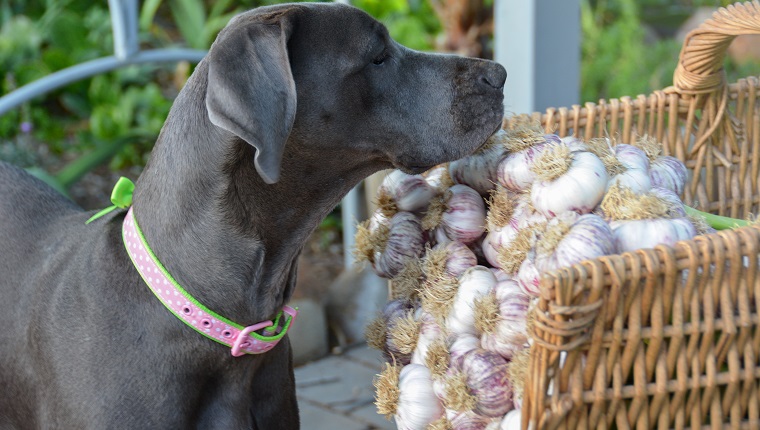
337,34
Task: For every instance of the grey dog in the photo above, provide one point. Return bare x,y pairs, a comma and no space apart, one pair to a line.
292,107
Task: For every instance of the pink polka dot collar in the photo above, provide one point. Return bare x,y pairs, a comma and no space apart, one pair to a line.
242,340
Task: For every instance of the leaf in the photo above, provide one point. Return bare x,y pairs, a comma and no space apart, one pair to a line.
190,16
147,13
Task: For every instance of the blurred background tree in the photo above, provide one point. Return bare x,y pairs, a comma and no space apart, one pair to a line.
628,47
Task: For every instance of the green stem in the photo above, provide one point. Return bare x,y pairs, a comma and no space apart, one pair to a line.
716,221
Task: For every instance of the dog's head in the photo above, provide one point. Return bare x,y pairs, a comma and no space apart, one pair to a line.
326,73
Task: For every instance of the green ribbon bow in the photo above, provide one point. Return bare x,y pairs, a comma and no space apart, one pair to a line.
121,197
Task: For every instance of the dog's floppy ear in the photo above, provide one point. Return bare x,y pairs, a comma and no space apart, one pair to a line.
251,92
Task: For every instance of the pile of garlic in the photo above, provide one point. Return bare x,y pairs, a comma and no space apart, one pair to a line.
465,243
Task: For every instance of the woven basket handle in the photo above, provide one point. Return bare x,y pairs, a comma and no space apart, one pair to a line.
700,65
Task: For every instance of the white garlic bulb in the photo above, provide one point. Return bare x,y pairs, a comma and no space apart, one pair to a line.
475,282
418,405
568,181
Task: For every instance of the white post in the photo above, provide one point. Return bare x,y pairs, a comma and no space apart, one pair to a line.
538,41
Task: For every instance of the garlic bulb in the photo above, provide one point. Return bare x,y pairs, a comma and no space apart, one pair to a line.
404,241
571,238
528,276
676,207
460,212
664,171
471,421
647,233
643,220
475,282
525,145
461,344
378,331
526,214
438,177
668,172
512,420
429,331
452,258
501,318
481,386
502,225
514,171
403,192
478,171
408,397
567,181
632,157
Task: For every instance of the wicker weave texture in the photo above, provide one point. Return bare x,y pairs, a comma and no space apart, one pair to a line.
667,337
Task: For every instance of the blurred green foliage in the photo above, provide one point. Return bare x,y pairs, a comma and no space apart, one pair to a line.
628,46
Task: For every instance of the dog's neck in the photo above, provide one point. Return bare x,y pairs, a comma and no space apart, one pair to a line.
231,240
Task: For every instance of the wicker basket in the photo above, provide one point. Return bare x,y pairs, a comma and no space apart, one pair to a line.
669,337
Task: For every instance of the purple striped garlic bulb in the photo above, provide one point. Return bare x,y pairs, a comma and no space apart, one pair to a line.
501,317
460,214
571,238
395,318
403,192
404,241
450,258
669,172
664,171
480,384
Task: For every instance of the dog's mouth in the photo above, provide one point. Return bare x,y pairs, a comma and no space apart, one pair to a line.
416,169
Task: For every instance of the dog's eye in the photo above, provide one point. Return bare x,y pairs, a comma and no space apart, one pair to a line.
380,59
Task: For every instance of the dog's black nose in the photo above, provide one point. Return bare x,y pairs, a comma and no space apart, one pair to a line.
494,75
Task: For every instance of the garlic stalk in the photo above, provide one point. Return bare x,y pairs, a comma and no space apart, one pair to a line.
479,170
460,212
475,282
567,181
